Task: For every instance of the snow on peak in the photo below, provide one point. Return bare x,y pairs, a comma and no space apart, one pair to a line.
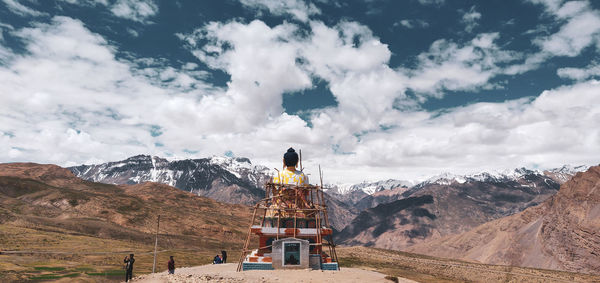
370,187
503,175
565,172
231,162
239,166
446,179
568,169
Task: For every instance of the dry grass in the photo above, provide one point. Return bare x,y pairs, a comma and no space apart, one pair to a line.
430,269
54,226
53,255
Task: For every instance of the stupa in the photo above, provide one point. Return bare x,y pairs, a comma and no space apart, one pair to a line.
293,230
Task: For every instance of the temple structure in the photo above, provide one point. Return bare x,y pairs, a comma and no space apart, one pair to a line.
293,231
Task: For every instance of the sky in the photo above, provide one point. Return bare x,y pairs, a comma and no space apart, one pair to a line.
369,90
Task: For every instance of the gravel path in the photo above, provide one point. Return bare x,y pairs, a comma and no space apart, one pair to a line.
227,273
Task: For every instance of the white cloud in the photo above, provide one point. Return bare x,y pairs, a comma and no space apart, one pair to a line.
555,128
5,54
416,142
410,24
579,29
470,19
21,9
262,67
432,2
550,5
133,32
296,8
135,10
69,98
593,70
72,101
450,66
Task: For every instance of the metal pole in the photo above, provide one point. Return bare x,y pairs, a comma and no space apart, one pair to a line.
156,244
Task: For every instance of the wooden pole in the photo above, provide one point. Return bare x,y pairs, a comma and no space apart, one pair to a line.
301,169
278,221
245,250
156,244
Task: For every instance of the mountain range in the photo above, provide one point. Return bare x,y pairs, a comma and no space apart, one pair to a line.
224,179
238,181
517,217
230,180
563,232
446,205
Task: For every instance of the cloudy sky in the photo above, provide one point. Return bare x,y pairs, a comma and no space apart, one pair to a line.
368,89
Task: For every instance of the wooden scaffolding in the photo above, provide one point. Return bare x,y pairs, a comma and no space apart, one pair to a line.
291,202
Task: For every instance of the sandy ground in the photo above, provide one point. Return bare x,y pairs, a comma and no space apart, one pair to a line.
227,273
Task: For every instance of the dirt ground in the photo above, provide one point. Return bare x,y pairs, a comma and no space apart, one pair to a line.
423,268
227,273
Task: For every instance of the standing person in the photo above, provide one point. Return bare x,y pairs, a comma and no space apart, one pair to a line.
224,256
129,267
171,266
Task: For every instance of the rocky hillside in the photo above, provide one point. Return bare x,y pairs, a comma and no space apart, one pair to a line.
238,181
51,198
231,180
366,194
561,233
446,205
370,194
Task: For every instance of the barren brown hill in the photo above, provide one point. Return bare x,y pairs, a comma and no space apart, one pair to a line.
31,192
562,233
46,210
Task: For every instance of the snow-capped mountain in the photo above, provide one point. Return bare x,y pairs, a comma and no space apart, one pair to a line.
370,194
560,175
448,204
242,168
232,180
369,188
565,173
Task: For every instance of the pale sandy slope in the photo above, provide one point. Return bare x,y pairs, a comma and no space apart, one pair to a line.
227,273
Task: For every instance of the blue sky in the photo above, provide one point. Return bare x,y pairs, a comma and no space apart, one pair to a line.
369,89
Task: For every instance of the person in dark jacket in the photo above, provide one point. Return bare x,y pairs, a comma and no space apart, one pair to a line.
217,260
171,266
224,256
129,267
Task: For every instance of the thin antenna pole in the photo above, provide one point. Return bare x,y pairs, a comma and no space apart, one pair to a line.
301,169
156,244
321,176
